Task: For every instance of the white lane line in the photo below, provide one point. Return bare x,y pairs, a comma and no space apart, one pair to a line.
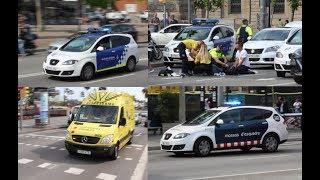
105,176
44,136
62,149
28,144
282,84
128,147
213,79
106,79
262,157
30,75
118,157
26,136
44,165
138,148
44,146
129,159
53,147
141,166
266,79
244,174
178,82
20,143
36,145
143,59
136,145
24,161
138,134
75,171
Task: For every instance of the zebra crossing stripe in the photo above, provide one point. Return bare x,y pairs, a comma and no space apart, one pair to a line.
129,159
24,161
105,176
136,145
75,171
44,165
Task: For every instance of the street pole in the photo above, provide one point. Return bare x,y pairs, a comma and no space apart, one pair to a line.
272,89
182,104
262,14
38,15
189,11
79,15
164,15
202,94
21,114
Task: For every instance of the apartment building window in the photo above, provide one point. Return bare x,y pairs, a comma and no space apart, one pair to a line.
279,7
235,7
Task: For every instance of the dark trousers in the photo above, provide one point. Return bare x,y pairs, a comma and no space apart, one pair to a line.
243,70
186,65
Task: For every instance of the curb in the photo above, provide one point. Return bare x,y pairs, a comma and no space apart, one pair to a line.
44,129
154,148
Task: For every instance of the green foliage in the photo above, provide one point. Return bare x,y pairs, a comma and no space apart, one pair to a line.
209,5
98,3
168,106
294,4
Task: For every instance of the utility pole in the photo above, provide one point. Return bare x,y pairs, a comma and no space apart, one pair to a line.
202,94
182,104
189,11
263,14
38,15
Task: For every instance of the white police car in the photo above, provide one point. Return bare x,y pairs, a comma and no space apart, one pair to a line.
91,53
208,31
241,127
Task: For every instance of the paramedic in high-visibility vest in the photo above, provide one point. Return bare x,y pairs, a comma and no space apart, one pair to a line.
245,31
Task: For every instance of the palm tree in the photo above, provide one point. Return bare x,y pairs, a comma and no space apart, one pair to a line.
294,5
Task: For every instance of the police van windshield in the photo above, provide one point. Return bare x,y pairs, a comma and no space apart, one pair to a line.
79,44
272,35
192,33
202,118
97,114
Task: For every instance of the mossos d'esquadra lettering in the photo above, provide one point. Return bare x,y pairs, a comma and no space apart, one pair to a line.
242,134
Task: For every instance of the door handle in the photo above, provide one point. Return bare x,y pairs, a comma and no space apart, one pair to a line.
240,125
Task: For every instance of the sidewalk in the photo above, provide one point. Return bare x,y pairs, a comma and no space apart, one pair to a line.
154,140
28,125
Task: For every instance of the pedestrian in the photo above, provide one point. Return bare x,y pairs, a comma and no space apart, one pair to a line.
203,61
219,60
173,20
155,21
297,105
164,22
210,103
280,23
244,32
282,105
287,21
242,63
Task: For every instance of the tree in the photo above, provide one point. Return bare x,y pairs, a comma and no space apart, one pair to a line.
208,5
100,3
294,5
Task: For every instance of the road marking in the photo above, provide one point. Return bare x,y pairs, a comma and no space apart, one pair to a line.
28,144
44,165
105,176
136,145
210,79
138,148
128,147
282,84
129,159
292,144
266,79
44,146
106,79
36,145
53,147
143,59
27,136
75,171
141,166
44,136
24,161
138,134
62,149
178,82
244,174
20,143
262,157
29,75
118,157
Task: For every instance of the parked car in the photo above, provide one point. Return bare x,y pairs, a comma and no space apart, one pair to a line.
296,65
165,35
211,34
263,45
282,60
296,24
117,17
121,28
72,114
60,42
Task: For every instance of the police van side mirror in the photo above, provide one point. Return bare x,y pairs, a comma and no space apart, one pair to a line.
219,122
100,48
122,122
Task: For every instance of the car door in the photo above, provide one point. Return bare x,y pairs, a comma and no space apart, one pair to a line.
120,47
227,132
216,32
105,58
228,40
253,124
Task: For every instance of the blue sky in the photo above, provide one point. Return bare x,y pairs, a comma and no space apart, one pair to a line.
135,91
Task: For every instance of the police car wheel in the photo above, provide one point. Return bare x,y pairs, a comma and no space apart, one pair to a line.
270,144
202,147
87,72
131,65
114,154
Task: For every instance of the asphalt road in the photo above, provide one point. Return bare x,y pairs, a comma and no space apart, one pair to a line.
285,164
265,76
42,155
30,74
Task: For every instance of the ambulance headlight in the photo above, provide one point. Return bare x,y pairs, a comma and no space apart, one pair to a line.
68,136
69,62
181,135
107,139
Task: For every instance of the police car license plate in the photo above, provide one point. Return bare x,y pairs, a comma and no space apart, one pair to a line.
84,152
254,55
51,68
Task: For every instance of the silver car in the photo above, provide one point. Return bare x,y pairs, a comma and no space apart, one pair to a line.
60,42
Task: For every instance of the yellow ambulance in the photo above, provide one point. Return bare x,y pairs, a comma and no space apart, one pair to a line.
103,125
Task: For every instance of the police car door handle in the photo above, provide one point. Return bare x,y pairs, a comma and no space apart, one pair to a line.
240,125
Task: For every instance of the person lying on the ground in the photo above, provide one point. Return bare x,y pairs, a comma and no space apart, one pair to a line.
242,63
203,61
219,60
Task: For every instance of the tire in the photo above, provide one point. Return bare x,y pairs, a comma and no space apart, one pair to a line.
87,72
246,149
131,65
158,54
298,79
114,154
270,143
281,74
202,147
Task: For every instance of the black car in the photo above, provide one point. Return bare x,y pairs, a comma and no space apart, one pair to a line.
122,28
296,65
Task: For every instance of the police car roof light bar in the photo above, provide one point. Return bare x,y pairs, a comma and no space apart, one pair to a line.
205,22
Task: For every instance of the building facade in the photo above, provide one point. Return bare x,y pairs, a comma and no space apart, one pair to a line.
131,5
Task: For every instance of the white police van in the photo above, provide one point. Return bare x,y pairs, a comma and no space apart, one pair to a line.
90,53
241,127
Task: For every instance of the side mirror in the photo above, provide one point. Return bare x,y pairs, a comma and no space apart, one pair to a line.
100,48
215,38
122,122
219,122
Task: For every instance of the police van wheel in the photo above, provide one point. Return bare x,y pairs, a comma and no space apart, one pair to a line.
270,143
87,72
202,147
246,149
131,64
114,154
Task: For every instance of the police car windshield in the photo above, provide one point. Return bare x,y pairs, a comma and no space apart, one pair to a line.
193,33
97,114
296,39
202,118
271,35
79,44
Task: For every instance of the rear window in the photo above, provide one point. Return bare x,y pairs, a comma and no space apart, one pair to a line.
250,114
119,41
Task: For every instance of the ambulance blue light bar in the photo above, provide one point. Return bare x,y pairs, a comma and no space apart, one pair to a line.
205,22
